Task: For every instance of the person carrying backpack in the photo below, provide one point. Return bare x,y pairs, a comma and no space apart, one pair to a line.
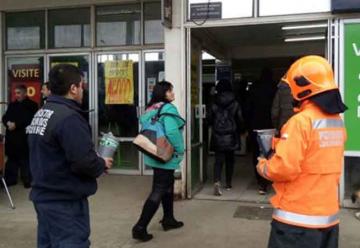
226,120
163,181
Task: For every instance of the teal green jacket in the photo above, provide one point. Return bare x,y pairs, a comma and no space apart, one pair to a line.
173,129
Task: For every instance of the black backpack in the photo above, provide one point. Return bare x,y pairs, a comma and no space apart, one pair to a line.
224,121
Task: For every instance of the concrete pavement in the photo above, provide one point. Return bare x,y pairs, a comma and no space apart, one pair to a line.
116,207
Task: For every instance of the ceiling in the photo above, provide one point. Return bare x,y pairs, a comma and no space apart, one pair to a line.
268,35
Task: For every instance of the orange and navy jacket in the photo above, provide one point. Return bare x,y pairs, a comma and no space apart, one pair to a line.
306,168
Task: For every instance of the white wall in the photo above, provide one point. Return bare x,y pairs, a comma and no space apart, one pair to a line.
283,50
287,7
174,72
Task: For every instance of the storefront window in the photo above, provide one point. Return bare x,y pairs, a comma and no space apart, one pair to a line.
82,62
118,101
154,71
27,71
118,25
154,31
25,30
69,28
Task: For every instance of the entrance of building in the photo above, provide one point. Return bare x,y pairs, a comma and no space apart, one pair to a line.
240,54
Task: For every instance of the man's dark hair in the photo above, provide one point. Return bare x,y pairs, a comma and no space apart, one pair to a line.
62,76
21,87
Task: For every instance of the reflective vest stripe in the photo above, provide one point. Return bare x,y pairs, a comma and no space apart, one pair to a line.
327,123
307,220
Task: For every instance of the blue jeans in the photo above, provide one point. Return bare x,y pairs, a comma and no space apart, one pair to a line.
63,224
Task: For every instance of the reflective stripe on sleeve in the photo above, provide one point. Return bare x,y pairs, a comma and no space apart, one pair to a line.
327,123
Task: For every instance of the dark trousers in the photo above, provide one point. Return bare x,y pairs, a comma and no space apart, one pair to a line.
228,159
287,236
262,182
162,192
12,167
63,224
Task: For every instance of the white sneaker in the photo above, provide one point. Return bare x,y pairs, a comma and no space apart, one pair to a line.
217,189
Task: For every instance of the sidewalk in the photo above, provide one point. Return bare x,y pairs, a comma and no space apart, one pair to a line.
208,224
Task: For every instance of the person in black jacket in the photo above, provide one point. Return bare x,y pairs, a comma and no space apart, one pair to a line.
17,117
282,108
63,163
260,102
226,120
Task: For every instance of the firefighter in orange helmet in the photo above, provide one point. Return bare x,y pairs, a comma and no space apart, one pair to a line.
306,165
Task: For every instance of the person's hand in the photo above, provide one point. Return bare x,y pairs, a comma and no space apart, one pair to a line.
11,125
108,163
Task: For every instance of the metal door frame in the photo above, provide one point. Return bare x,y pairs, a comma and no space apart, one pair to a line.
137,172
190,192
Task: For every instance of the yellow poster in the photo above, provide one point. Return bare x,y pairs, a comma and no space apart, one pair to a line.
119,82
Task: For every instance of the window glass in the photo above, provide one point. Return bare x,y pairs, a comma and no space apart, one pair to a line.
27,71
118,25
154,31
25,30
69,28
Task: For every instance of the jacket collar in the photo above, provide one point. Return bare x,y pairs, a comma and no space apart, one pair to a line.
65,101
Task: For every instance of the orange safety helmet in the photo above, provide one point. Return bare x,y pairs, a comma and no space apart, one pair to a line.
309,76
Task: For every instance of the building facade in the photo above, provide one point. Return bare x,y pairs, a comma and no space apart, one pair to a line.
97,35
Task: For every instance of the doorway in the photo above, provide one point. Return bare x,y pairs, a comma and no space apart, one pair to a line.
239,54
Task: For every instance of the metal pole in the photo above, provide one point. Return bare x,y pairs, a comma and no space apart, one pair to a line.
7,193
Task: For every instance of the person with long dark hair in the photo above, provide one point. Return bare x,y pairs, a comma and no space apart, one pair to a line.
163,180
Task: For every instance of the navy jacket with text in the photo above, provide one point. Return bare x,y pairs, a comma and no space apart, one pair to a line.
63,162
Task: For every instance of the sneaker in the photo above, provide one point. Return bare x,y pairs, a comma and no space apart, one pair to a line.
262,191
357,215
217,189
228,187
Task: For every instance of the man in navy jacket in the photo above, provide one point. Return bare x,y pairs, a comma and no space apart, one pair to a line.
63,163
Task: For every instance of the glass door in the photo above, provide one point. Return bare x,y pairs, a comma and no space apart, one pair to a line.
195,118
27,71
81,61
153,71
118,101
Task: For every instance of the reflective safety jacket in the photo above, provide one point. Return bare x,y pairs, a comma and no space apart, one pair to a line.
306,168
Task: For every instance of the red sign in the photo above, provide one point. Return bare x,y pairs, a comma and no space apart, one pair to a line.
28,75
33,90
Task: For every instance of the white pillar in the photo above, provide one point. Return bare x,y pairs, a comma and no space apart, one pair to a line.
175,71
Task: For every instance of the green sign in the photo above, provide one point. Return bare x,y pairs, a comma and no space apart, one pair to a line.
352,86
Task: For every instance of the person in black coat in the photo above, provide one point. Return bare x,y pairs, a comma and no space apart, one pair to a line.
260,102
17,117
226,120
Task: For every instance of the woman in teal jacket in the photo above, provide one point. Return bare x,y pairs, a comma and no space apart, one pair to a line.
163,180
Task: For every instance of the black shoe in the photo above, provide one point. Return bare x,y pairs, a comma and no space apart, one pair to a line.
228,187
140,233
169,224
